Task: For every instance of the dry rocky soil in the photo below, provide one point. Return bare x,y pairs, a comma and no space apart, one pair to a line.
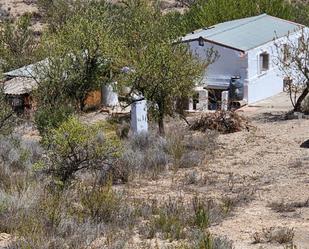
262,166
18,7
255,168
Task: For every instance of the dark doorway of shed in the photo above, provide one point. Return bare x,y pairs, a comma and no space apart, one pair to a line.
21,104
214,99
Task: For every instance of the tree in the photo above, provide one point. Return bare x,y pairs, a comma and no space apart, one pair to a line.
75,146
206,13
293,59
81,52
56,13
159,70
18,44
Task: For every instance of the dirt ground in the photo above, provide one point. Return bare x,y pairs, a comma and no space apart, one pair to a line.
266,160
18,7
259,166
271,156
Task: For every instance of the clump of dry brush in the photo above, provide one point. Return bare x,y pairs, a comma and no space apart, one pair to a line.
221,121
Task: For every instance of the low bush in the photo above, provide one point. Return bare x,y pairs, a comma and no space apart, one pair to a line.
204,240
51,118
281,235
144,154
191,178
187,149
282,206
176,219
100,203
201,214
221,121
170,221
75,147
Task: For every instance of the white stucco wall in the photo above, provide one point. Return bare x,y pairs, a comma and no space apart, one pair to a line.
261,85
257,85
229,63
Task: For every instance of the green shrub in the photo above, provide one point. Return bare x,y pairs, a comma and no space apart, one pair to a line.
170,226
75,147
201,214
100,203
170,221
208,13
51,118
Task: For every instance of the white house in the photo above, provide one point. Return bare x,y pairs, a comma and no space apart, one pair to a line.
247,54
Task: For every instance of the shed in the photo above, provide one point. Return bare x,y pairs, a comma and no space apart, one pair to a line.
18,90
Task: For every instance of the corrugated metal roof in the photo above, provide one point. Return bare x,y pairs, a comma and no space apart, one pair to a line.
247,33
27,71
19,85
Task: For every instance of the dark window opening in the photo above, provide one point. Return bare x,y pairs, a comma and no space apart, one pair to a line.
264,62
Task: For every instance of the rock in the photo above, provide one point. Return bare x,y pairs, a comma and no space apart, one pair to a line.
5,240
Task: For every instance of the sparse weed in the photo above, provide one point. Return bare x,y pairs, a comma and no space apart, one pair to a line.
201,213
144,154
281,235
170,221
204,240
191,178
282,207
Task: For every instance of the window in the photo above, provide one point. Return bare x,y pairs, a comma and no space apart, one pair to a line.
264,62
201,41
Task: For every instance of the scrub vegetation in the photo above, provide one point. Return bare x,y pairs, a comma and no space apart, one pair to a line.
77,184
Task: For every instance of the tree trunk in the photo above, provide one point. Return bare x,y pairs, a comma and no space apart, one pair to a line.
82,104
161,119
161,126
297,107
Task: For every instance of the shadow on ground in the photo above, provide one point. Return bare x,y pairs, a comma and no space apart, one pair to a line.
305,144
270,117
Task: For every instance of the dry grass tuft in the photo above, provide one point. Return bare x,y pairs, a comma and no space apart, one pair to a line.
281,235
282,207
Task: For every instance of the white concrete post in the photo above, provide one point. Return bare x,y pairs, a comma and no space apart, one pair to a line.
139,121
224,100
203,100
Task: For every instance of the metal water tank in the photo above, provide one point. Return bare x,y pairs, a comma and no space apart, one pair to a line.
236,89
